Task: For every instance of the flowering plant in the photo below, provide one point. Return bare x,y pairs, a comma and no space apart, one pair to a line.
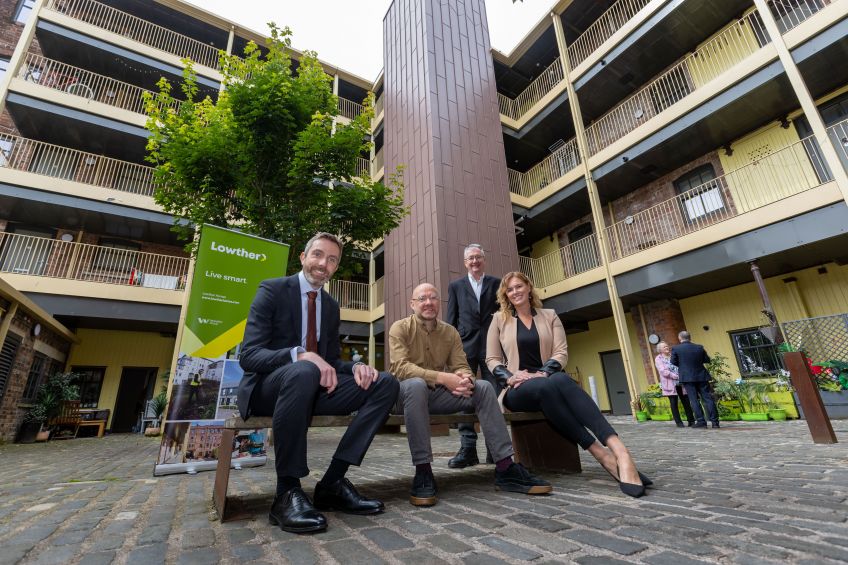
830,375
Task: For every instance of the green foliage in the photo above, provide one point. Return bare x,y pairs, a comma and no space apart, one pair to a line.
267,157
718,366
51,393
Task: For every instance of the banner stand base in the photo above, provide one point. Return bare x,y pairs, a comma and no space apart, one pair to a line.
194,467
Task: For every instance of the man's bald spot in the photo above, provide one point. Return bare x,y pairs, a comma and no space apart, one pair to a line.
423,287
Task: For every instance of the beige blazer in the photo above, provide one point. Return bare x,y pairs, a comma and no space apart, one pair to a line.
502,346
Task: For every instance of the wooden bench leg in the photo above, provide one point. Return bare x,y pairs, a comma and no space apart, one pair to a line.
539,446
222,473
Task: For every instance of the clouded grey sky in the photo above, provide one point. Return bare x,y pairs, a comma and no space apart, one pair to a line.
349,33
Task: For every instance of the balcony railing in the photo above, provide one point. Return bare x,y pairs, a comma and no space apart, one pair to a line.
541,85
377,290
786,172
24,154
137,29
350,294
79,82
543,173
603,28
43,257
573,259
791,13
732,45
348,108
363,168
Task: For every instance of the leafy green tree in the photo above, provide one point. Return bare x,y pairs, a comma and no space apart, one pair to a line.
267,157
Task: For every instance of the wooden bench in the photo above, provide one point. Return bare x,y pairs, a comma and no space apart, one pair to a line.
537,445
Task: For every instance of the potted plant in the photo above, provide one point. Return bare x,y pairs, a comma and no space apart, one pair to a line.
649,400
641,415
48,400
158,405
832,381
756,409
775,412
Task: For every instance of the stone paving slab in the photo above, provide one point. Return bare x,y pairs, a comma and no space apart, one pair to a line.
742,494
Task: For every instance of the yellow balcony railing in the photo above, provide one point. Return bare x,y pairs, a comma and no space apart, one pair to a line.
351,295
791,13
543,173
779,175
79,82
573,259
43,257
137,29
735,43
24,154
516,107
603,28
348,108
377,292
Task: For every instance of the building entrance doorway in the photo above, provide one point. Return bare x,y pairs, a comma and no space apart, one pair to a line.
132,392
616,381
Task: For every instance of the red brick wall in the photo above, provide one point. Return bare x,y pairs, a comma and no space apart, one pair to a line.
663,318
11,411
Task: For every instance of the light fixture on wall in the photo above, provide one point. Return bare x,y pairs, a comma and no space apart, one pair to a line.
628,220
728,151
67,237
784,122
89,161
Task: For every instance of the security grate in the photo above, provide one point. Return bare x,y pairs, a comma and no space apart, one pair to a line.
822,339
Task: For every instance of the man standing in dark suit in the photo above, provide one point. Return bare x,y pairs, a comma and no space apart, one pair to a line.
472,300
290,356
690,358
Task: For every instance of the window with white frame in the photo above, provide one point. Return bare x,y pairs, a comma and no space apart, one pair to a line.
701,193
23,11
4,66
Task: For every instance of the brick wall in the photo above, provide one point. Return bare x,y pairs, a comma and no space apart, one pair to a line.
10,33
11,411
663,318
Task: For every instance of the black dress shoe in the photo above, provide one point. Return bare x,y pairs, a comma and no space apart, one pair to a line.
700,425
424,490
465,457
343,496
293,512
690,424
679,424
518,479
714,425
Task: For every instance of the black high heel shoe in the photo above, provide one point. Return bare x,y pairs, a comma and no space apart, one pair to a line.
646,480
632,490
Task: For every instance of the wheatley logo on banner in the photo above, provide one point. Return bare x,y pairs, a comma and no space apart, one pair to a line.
238,252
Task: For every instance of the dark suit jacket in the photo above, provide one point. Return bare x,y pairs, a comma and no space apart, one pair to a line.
471,319
274,328
689,359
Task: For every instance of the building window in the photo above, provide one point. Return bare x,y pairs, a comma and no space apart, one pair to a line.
7,359
36,373
90,381
116,255
701,193
23,11
4,66
755,353
7,144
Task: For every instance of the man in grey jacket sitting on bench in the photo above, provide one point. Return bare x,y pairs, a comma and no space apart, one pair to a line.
427,357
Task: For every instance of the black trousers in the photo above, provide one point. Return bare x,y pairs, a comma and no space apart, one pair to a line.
702,390
675,411
467,435
567,407
292,395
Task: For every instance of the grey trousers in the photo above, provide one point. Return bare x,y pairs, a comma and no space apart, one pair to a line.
417,401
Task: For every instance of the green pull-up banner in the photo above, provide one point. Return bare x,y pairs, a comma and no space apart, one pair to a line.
227,271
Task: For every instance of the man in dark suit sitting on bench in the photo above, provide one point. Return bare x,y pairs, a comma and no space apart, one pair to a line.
290,356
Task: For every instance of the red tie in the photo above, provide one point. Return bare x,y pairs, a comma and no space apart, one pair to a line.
311,325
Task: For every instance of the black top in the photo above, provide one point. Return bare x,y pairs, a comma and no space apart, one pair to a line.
529,354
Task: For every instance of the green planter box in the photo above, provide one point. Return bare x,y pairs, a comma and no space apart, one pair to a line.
755,416
663,417
835,403
786,401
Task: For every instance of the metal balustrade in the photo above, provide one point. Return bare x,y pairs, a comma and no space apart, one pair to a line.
54,258
839,134
348,108
791,13
377,292
543,173
137,29
351,295
79,82
603,28
781,174
363,168
516,107
732,45
28,155
575,258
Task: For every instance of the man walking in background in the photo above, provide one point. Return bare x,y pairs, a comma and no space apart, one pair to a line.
690,359
472,300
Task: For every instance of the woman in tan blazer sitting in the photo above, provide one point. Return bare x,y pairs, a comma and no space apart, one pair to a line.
526,351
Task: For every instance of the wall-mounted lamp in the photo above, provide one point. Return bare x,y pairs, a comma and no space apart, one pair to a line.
784,123
628,220
67,237
625,159
728,151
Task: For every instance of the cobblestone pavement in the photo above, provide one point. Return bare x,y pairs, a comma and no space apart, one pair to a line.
747,493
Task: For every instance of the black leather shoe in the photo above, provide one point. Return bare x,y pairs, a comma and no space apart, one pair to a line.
690,424
700,425
343,496
293,512
465,457
518,479
679,424
714,425
424,490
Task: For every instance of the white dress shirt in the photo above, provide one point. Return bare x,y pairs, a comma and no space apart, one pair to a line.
476,285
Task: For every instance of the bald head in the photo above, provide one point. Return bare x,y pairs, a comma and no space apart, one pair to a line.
425,303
